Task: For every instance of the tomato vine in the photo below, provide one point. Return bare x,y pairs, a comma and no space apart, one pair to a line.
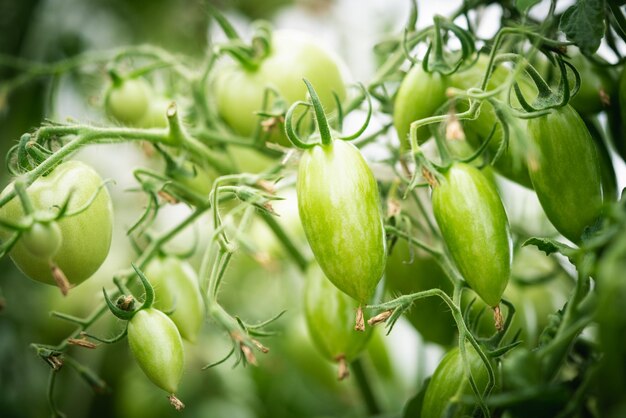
466,110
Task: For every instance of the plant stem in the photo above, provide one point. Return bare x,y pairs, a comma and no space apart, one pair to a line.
297,256
365,388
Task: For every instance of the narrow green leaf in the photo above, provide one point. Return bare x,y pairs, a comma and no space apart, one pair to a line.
583,24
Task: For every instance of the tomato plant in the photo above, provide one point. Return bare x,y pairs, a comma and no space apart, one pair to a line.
42,240
473,222
408,271
241,87
328,315
341,215
177,288
82,236
420,95
597,86
157,347
129,101
272,215
487,127
451,381
568,161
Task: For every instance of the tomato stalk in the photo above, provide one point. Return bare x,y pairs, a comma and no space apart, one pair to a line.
578,314
403,302
215,262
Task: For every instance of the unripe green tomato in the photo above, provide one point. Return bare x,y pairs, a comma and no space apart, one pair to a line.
329,315
534,300
419,96
449,383
566,171
240,91
201,182
156,345
511,163
176,286
155,115
249,160
610,191
340,209
617,117
86,236
413,271
475,229
42,240
302,352
597,86
127,101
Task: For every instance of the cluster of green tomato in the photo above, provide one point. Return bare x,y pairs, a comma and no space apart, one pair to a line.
339,206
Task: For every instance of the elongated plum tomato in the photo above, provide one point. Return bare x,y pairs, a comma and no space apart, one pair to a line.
240,91
341,215
419,96
176,287
450,382
566,171
156,345
85,235
475,229
330,318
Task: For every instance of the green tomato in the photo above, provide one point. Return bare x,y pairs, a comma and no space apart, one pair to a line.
176,286
198,177
610,191
566,171
329,315
450,382
511,163
617,117
156,345
475,229
43,240
85,236
240,91
249,160
340,209
127,101
597,85
155,115
410,272
419,96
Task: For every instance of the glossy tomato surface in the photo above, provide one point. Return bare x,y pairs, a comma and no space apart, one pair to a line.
340,209
156,345
475,228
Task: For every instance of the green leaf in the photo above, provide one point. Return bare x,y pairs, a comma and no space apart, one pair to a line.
524,5
583,24
549,246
